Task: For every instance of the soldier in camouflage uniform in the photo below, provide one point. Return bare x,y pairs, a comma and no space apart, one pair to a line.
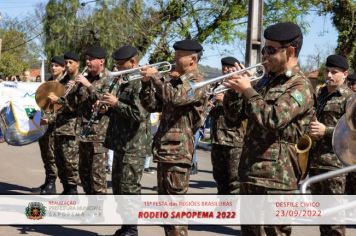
331,104
92,153
278,114
65,141
227,139
181,117
127,131
46,142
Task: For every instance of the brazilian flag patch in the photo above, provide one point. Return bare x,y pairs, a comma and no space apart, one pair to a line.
298,97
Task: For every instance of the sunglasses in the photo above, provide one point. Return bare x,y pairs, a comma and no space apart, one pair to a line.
269,50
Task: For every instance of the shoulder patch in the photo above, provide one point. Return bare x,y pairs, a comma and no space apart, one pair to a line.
298,97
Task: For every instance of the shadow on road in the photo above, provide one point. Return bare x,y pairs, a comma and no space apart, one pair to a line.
200,184
53,230
224,230
6,188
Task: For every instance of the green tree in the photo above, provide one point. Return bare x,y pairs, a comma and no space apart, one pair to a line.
18,53
343,14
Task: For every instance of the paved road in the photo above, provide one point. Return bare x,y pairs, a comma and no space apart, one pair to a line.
21,169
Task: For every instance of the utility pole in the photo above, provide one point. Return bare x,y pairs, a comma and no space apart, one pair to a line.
254,32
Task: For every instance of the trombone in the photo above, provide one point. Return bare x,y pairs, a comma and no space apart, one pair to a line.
133,74
259,74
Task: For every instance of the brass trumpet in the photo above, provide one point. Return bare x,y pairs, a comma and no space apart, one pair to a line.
260,72
133,74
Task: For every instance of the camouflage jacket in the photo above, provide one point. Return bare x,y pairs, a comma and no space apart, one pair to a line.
128,129
67,115
85,99
329,109
225,131
278,114
181,115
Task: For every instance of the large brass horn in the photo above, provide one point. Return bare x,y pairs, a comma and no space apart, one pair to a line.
344,136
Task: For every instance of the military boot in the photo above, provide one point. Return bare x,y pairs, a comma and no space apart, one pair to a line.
72,189
65,189
49,187
127,230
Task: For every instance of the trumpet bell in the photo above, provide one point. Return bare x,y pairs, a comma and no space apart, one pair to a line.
344,136
303,147
44,90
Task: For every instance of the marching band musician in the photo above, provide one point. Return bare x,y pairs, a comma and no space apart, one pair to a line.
351,81
92,153
331,104
181,117
278,114
66,143
46,142
128,131
226,139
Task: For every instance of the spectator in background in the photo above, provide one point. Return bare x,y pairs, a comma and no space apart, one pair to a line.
26,77
38,79
13,79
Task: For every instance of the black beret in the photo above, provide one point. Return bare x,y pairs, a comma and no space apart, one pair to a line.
71,56
229,61
188,45
96,52
125,52
285,31
58,60
337,61
352,77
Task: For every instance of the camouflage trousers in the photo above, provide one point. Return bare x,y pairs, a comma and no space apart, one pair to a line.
262,230
331,186
127,173
67,159
351,183
46,143
92,167
225,161
173,179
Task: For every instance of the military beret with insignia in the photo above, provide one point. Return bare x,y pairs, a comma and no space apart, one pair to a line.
71,56
337,61
96,52
229,61
188,45
125,52
352,77
285,31
58,60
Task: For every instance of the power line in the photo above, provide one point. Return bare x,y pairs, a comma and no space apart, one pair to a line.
19,45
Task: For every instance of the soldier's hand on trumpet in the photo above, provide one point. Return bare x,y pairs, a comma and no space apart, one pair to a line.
84,81
109,99
148,72
238,82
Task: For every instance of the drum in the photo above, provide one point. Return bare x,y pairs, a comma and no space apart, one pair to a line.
20,123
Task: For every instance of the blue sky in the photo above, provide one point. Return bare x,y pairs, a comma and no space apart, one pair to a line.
321,35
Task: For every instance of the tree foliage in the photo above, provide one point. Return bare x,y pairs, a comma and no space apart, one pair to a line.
17,54
152,26
344,19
